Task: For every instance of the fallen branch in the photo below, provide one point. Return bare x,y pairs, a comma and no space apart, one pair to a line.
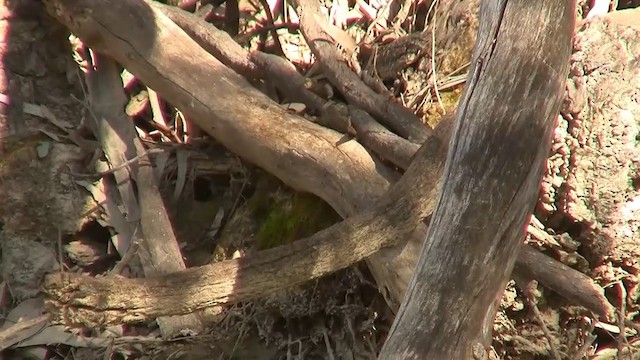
383,142
391,268
284,76
215,41
398,118
305,156
368,131
159,253
570,283
81,299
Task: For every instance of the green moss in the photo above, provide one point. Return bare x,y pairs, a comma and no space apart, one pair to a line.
261,204
285,219
449,100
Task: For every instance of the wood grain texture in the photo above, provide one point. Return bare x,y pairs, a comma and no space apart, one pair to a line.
491,180
159,252
225,105
87,300
305,156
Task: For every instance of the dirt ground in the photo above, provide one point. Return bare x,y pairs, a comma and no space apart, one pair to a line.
587,217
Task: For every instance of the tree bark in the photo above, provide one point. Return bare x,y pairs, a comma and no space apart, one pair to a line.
491,180
88,300
304,155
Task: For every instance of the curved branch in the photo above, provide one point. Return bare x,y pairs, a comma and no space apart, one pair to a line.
304,155
88,300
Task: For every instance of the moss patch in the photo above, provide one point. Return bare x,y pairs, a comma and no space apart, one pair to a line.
290,217
449,100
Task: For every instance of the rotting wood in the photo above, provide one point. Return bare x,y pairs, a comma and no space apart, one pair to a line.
495,163
342,173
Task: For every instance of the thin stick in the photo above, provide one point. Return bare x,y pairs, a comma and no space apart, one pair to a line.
433,59
128,255
622,313
112,170
272,30
529,291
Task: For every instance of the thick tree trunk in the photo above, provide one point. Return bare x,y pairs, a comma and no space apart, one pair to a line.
496,157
